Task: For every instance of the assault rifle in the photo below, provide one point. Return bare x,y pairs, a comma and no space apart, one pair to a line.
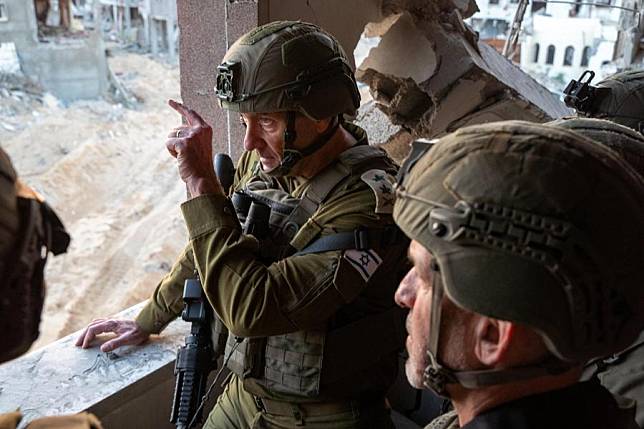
195,359
198,357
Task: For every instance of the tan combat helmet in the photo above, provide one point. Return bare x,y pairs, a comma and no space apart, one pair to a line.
532,224
618,98
288,66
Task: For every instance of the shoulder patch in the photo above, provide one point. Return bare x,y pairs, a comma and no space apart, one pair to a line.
381,183
366,262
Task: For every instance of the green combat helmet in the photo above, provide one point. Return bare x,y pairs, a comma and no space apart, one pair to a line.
288,66
623,140
618,98
531,224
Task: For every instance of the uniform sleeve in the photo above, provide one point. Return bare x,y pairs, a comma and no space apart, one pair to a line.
253,298
166,303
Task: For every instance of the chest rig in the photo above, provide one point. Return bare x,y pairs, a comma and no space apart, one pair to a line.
292,363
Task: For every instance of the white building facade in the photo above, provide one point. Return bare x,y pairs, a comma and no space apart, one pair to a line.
563,40
559,41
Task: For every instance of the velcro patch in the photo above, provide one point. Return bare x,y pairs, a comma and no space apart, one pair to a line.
366,262
381,184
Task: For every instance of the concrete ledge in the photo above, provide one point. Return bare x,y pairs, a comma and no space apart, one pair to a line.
131,387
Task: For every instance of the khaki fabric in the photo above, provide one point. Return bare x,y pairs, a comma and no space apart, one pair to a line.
236,409
76,421
10,420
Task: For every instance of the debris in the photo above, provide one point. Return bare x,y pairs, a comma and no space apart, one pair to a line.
429,74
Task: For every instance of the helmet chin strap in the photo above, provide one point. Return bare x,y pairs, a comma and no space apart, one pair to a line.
292,156
436,375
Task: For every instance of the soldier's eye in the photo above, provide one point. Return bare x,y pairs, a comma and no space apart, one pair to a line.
242,122
433,265
266,122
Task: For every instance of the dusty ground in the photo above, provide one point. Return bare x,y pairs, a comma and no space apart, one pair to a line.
105,170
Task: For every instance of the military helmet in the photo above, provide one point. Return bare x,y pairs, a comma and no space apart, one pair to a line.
8,207
623,140
618,98
535,225
287,66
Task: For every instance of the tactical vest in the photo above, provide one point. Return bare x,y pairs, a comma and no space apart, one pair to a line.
293,363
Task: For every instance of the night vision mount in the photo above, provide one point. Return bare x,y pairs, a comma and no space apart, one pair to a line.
580,94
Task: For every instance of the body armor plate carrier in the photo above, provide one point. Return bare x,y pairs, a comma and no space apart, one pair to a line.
293,363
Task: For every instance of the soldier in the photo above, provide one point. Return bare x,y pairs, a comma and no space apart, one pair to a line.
29,230
524,243
618,98
621,373
314,331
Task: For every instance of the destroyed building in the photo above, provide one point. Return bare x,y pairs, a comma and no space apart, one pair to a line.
69,65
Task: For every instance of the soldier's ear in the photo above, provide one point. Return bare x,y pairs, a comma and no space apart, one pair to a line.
492,341
322,125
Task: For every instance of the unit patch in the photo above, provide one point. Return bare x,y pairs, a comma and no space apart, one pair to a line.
366,262
381,184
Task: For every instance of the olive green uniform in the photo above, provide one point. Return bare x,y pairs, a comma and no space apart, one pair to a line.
300,295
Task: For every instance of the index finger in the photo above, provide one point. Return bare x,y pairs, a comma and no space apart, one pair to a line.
191,116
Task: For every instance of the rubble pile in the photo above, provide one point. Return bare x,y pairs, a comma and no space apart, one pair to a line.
18,96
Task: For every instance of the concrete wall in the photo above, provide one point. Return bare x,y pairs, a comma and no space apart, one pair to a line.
129,388
72,69
20,26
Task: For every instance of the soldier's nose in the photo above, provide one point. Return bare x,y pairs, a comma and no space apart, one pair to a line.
406,293
251,141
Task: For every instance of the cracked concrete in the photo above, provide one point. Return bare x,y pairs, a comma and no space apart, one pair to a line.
430,75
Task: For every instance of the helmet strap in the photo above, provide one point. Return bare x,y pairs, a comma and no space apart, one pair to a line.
436,375
291,155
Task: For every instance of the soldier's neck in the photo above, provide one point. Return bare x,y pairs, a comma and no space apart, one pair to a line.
310,166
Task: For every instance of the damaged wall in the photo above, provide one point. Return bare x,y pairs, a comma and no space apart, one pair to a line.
454,80
427,71
18,23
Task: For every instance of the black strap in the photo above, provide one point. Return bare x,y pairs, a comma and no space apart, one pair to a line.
360,239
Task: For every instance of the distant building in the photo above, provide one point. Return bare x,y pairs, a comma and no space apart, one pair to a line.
563,40
560,40
493,22
70,66
158,29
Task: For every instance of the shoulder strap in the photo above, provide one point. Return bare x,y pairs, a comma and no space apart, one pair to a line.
350,162
359,239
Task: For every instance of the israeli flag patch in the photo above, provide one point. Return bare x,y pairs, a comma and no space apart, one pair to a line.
381,184
366,262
